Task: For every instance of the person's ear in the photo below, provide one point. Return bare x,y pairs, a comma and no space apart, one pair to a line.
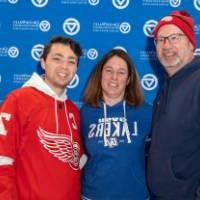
128,81
42,63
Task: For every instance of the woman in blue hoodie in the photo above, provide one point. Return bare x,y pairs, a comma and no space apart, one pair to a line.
114,125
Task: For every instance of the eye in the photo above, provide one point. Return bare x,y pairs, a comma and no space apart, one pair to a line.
173,38
108,70
56,59
122,72
160,40
73,62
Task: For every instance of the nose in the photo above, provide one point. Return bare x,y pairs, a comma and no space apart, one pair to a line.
64,65
166,43
114,75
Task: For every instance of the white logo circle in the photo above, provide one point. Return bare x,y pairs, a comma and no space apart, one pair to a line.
197,52
13,52
37,51
71,26
13,1
149,27
149,82
125,27
92,54
45,25
93,2
120,4
197,4
175,3
120,47
39,3
74,82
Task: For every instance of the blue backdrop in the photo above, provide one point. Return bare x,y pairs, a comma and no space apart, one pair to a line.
98,25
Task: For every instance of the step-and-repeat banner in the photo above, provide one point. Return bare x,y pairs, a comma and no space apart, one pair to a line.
98,25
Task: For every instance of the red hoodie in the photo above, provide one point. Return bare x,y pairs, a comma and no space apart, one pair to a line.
41,146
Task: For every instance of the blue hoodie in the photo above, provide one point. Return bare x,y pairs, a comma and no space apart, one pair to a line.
114,138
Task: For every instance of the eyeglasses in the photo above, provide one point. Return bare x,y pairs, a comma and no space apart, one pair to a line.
172,39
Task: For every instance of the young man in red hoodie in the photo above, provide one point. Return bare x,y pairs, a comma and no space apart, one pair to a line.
40,145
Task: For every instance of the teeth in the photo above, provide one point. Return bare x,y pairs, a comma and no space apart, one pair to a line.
168,54
113,85
62,74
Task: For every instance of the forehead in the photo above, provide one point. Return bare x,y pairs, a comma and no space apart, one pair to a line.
116,61
59,48
168,29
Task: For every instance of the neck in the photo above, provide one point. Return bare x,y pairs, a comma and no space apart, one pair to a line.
112,101
171,70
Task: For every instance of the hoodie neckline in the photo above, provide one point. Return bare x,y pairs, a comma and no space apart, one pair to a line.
187,68
36,81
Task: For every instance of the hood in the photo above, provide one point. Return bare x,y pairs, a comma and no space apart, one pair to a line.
38,83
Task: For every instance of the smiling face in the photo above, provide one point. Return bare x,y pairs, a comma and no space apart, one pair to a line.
60,67
114,80
175,54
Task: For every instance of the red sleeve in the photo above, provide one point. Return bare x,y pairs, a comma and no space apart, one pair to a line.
9,137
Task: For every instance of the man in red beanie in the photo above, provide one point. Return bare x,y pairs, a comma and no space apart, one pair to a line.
174,159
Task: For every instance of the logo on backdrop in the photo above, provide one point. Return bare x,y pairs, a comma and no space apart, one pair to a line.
20,78
37,51
39,3
148,55
13,52
34,25
74,82
175,3
45,25
149,27
92,54
125,27
120,47
197,52
120,4
93,2
149,82
0,78
13,1
71,26
197,4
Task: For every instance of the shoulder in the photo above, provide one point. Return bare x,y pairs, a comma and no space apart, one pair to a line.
25,92
89,111
142,112
20,94
72,106
145,107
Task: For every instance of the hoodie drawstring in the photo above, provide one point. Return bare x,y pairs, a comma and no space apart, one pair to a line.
56,116
68,123
105,139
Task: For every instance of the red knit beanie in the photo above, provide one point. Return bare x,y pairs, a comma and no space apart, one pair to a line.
183,20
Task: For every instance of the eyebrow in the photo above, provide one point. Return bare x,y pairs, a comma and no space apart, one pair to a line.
170,35
61,55
108,66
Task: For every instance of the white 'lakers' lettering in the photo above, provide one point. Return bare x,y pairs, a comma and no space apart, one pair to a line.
4,116
113,129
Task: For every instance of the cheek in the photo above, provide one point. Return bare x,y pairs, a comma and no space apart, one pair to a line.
105,77
123,83
158,51
73,70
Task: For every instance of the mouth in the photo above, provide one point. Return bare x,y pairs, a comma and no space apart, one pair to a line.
62,74
113,85
169,54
